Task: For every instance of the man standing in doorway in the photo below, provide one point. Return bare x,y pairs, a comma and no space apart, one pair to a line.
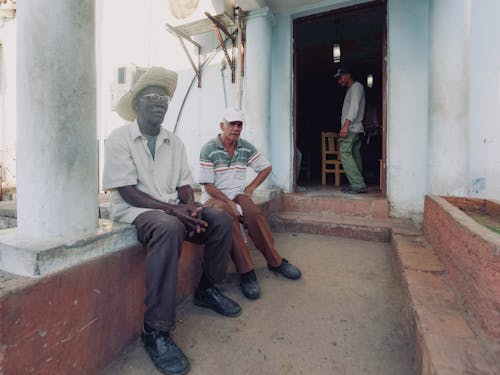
353,111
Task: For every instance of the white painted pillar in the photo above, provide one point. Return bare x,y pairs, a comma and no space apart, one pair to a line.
448,136
57,140
258,79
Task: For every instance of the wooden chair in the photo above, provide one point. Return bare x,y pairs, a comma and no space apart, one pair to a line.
330,157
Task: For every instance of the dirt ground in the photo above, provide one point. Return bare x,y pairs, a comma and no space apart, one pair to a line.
343,317
487,219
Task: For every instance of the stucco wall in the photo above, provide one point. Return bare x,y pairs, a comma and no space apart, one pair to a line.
281,111
407,105
484,127
8,100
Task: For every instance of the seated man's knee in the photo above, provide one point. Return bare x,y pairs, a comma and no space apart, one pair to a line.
170,225
217,216
226,208
257,216
253,214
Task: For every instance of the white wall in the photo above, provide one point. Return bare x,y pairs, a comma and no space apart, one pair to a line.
484,128
407,105
448,138
8,101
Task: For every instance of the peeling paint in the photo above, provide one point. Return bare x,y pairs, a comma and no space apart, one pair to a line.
87,325
478,185
66,339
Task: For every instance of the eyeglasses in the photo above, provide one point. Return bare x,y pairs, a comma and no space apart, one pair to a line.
157,98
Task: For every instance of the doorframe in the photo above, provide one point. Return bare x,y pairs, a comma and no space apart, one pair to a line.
347,9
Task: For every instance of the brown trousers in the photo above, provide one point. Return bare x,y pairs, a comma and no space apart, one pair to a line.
162,235
255,221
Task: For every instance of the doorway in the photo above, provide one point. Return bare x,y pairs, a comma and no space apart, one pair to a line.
354,37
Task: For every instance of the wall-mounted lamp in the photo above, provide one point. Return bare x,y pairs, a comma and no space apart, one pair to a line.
369,80
336,53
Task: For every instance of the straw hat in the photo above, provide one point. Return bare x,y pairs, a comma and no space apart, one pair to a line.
155,76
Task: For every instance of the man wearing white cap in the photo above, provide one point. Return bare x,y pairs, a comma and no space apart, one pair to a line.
223,164
146,169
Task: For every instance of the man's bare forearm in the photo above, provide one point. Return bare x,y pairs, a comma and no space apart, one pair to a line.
138,198
259,179
188,215
186,194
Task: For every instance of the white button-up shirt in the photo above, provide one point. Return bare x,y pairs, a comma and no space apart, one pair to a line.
128,161
354,107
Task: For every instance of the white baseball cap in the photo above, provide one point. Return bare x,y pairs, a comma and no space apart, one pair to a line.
233,114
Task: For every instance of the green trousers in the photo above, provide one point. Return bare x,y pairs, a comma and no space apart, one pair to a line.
350,154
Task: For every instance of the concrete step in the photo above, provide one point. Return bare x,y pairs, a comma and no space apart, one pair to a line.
447,340
366,205
356,227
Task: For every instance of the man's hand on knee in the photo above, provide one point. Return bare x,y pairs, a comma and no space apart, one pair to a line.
234,208
191,216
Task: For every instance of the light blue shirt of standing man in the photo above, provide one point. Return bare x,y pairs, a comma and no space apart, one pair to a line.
354,108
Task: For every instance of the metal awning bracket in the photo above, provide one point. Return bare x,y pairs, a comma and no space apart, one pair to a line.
182,37
217,28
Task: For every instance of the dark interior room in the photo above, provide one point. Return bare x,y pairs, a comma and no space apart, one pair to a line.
351,37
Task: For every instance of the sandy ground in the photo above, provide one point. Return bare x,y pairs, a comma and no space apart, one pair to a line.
343,317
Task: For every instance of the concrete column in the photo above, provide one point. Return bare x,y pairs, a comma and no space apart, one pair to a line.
448,136
258,78
57,137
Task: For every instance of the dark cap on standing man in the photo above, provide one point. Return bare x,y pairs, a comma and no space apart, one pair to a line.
342,70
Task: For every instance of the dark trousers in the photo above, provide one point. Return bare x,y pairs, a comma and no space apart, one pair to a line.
255,221
162,235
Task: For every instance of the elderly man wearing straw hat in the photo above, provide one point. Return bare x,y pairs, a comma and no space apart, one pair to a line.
147,172
223,164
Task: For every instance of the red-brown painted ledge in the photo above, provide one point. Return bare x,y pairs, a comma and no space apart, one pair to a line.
470,253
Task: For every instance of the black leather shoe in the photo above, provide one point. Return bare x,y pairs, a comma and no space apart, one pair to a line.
213,299
287,269
346,188
164,352
249,285
354,190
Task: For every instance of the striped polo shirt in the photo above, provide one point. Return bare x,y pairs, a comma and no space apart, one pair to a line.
228,175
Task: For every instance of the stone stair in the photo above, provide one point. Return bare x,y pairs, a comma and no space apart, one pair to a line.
446,338
356,227
365,219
